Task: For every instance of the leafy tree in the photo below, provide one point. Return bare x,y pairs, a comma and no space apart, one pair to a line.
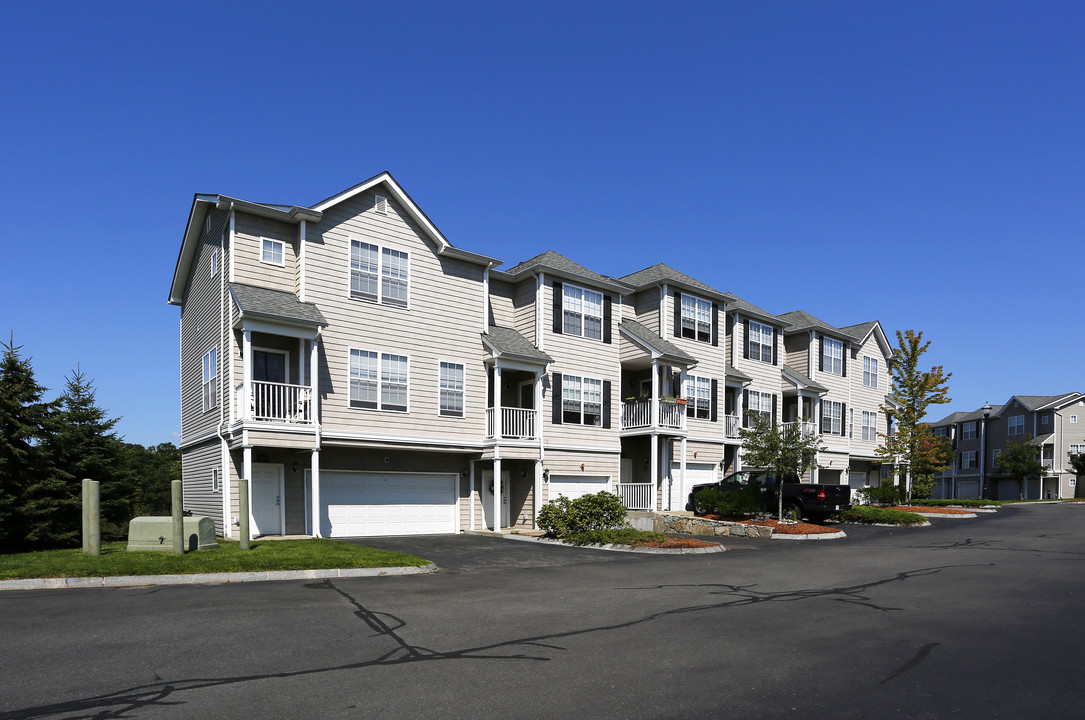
914,390
25,421
933,453
782,450
1077,462
1020,461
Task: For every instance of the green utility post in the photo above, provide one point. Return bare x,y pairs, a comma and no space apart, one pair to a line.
94,519
178,518
243,511
86,515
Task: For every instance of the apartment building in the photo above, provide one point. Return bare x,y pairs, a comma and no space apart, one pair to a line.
1055,424
369,378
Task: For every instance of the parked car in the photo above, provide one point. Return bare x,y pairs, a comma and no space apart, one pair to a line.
801,499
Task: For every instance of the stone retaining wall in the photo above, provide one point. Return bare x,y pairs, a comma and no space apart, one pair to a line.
689,525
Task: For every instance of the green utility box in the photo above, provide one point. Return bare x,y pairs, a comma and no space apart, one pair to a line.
156,533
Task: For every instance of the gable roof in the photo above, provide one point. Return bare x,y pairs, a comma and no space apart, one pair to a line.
661,273
506,342
801,320
863,331
1043,402
801,381
959,417
653,342
737,304
276,305
557,264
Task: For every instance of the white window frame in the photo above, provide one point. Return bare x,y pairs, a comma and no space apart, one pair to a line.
870,372
281,251
968,430
832,356
699,397
995,453
1015,425
761,337
833,412
969,460
214,263
870,426
385,275
696,318
1080,449
210,373
216,479
578,306
1045,419
380,204
381,383
451,391
574,393
1073,418
759,403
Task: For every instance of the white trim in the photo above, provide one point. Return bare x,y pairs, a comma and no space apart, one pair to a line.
467,445
286,365
302,232
233,245
463,391
282,251
380,356
565,287
379,295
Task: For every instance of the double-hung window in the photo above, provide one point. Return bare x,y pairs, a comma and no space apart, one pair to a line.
1077,449
581,400
378,381
760,341
378,274
941,432
832,356
698,397
1016,425
968,431
696,318
760,404
582,312
870,425
870,372
271,251
210,375
832,417
968,460
451,381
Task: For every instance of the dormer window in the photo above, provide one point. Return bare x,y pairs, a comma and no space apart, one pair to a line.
696,318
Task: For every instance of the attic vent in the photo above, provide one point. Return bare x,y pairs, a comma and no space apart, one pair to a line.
382,204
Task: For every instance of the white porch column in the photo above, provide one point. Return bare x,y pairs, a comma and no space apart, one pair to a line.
246,468
682,470
471,493
537,505
654,407
246,377
655,468
314,478
314,382
498,430
497,494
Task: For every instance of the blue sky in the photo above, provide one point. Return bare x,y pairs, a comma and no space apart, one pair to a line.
917,163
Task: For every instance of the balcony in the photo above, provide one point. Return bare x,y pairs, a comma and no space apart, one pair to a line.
516,423
731,426
808,429
638,414
636,496
275,402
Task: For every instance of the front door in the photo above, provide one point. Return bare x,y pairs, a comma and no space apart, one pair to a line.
266,508
488,498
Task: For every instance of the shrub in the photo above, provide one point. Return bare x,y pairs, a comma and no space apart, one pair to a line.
966,502
705,499
739,503
871,515
882,495
564,517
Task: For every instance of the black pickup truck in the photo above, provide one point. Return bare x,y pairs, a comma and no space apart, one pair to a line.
800,499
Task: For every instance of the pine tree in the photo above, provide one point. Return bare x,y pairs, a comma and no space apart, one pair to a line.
25,421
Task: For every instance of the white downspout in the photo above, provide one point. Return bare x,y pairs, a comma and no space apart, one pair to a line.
540,284
301,261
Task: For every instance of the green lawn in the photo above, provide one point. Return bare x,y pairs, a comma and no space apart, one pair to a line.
315,554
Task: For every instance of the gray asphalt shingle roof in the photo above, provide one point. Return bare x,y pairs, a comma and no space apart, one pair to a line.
661,273
506,341
654,341
801,320
553,261
277,305
797,377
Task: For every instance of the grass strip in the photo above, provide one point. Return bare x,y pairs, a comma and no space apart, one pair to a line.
264,555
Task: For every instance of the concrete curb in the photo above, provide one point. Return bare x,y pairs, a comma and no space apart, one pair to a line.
208,578
621,548
891,525
947,516
838,535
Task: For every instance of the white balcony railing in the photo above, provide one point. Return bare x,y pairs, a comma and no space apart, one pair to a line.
808,429
731,426
276,402
516,423
638,414
636,496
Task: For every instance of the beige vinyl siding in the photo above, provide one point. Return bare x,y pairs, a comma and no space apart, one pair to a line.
839,387
200,325
523,301
865,398
442,323
1068,434
765,376
797,349
501,304
646,310
711,364
248,231
596,464
197,462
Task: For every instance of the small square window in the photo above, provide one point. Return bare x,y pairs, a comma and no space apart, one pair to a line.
271,251
1073,418
216,480
1044,420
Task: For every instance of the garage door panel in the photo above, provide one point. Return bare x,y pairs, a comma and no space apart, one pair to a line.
572,486
371,504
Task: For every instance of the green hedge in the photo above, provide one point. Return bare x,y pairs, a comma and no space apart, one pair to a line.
969,502
622,536
875,515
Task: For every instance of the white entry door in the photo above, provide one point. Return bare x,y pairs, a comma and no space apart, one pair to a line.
488,498
266,507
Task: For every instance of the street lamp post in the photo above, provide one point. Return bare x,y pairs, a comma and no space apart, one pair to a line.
983,448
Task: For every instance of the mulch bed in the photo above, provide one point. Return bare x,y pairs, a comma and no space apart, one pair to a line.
677,544
780,528
931,510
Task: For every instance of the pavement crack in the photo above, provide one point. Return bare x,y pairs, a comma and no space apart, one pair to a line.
919,657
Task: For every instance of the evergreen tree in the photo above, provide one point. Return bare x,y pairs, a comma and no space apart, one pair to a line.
153,470
25,421
913,391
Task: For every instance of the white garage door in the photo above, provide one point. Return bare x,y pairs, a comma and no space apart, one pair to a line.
696,474
573,486
361,504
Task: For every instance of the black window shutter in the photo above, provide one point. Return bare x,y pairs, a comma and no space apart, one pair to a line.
821,352
746,337
844,424
774,358
745,408
773,409
606,403
715,327
715,400
821,416
607,302
844,361
559,307
678,314
555,398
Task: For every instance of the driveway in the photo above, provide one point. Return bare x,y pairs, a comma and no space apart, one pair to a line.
473,553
